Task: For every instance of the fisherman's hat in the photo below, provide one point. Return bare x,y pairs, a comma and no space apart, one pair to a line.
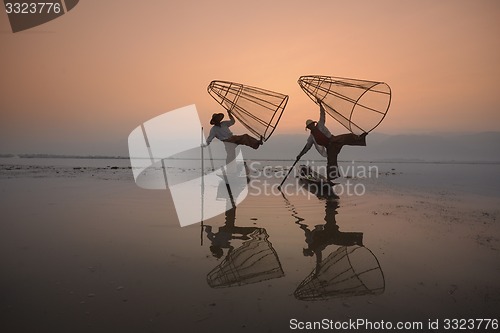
309,122
216,118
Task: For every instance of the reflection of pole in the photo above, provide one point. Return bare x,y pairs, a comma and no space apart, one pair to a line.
228,187
202,186
291,207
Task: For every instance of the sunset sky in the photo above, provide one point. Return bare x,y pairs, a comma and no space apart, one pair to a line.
82,82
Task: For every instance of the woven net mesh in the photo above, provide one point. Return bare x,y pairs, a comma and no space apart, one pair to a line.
259,110
349,271
359,105
254,261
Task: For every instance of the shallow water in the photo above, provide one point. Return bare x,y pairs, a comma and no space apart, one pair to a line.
88,250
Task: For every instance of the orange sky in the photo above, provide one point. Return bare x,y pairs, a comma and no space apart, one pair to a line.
83,82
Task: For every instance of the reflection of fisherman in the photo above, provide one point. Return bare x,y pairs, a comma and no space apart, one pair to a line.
329,145
328,234
251,261
221,131
222,239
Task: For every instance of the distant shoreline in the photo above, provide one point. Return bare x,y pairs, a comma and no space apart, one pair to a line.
61,156
104,157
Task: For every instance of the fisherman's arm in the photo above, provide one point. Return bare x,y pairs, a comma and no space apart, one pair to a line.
210,233
211,136
231,119
322,113
322,118
310,141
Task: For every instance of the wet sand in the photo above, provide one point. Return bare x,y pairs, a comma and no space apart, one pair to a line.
84,249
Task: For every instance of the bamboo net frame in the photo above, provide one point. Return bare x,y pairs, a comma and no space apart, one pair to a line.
358,105
259,110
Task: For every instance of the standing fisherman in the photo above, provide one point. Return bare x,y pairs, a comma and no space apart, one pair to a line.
329,145
221,131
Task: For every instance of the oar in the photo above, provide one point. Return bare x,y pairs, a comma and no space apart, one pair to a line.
289,171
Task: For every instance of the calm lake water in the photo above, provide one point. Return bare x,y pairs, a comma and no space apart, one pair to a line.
84,249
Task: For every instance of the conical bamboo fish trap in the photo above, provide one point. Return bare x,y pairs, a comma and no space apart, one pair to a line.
259,110
359,105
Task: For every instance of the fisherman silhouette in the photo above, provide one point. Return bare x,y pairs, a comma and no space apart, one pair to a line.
222,238
329,145
221,131
252,261
322,236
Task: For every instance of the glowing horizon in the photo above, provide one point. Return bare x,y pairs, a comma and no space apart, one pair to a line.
91,77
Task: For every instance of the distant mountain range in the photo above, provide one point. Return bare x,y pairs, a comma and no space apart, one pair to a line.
484,147
478,147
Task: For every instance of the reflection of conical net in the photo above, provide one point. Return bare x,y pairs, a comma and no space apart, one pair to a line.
254,261
349,271
259,110
358,105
